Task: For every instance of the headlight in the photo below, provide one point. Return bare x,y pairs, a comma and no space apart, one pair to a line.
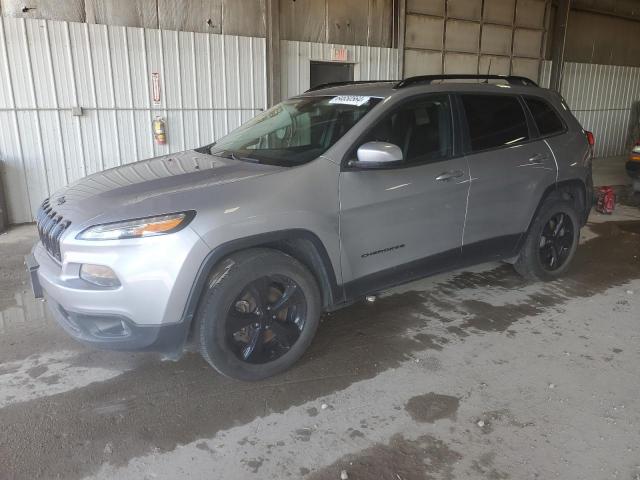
138,228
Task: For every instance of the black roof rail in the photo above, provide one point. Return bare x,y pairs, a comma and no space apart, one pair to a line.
351,82
510,79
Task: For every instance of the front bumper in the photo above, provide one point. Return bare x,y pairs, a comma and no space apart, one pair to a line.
113,332
146,312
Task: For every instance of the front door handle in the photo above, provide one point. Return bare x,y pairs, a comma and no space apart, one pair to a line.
538,158
446,176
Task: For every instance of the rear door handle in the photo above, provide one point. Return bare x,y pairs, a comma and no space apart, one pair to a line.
446,176
538,158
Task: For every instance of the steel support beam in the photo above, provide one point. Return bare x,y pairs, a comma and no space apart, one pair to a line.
558,43
402,21
274,70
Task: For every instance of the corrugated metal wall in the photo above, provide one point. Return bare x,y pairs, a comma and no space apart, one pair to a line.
370,63
353,22
357,22
228,17
209,85
600,96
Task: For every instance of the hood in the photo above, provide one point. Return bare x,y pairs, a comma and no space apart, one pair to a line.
160,178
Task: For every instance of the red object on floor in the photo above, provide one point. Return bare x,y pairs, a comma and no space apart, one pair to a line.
606,200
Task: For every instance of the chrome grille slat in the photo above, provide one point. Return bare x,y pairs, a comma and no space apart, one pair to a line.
49,223
56,234
51,227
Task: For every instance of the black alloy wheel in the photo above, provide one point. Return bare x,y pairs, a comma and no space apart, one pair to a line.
551,242
266,319
258,314
556,241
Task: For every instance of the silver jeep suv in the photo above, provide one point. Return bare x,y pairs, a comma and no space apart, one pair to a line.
344,191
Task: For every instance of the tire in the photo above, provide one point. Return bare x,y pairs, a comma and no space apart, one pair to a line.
237,331
534,259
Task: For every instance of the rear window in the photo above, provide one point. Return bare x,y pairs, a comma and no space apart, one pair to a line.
494,121
547,120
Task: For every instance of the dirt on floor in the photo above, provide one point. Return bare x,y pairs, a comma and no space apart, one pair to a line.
425,458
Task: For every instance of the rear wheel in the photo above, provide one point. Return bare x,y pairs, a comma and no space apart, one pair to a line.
258,314
551,242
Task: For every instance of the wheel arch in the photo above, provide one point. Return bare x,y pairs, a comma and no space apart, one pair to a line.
574,190
579,193
301,244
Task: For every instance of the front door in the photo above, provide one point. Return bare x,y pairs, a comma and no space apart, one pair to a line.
403,222
510,170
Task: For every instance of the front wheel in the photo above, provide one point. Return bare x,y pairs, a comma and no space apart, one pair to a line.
258,314
551,242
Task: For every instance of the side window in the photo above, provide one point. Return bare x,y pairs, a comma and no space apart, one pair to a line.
545,116
494,121
422,130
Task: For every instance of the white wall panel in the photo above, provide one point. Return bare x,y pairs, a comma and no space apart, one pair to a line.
601,97
209,85
370,63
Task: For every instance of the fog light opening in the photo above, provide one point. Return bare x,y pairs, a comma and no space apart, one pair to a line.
99,275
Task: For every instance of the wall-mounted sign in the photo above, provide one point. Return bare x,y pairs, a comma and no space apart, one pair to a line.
155,89
339,54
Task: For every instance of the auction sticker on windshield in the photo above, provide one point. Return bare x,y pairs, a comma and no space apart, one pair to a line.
356,100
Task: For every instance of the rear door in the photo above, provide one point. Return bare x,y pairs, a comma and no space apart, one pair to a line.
510,168
403,221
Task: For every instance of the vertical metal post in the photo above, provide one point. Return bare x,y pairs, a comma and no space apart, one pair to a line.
402,20
273,51
558,43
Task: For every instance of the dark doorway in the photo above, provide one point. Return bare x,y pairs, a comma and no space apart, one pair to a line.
328,72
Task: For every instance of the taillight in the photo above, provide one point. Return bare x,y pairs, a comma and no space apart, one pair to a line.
591,139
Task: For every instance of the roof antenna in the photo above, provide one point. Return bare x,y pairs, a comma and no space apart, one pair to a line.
486,80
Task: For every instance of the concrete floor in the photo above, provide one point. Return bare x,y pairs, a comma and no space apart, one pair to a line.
474,374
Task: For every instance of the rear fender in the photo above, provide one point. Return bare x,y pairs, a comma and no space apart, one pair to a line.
575,190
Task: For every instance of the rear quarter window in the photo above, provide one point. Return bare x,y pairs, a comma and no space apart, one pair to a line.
494,121
545,117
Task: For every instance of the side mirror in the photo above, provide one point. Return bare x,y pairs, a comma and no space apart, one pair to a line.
377,155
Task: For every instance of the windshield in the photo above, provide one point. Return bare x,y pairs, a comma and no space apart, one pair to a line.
295,131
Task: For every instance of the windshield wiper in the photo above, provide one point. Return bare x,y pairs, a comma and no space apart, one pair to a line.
233,156
244,159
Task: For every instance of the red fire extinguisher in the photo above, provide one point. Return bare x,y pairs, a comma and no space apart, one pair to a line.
160,130
606,200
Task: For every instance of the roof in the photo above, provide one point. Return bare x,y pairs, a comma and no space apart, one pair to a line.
386,88
371,89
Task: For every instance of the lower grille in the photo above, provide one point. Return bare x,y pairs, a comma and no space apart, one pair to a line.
51,226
